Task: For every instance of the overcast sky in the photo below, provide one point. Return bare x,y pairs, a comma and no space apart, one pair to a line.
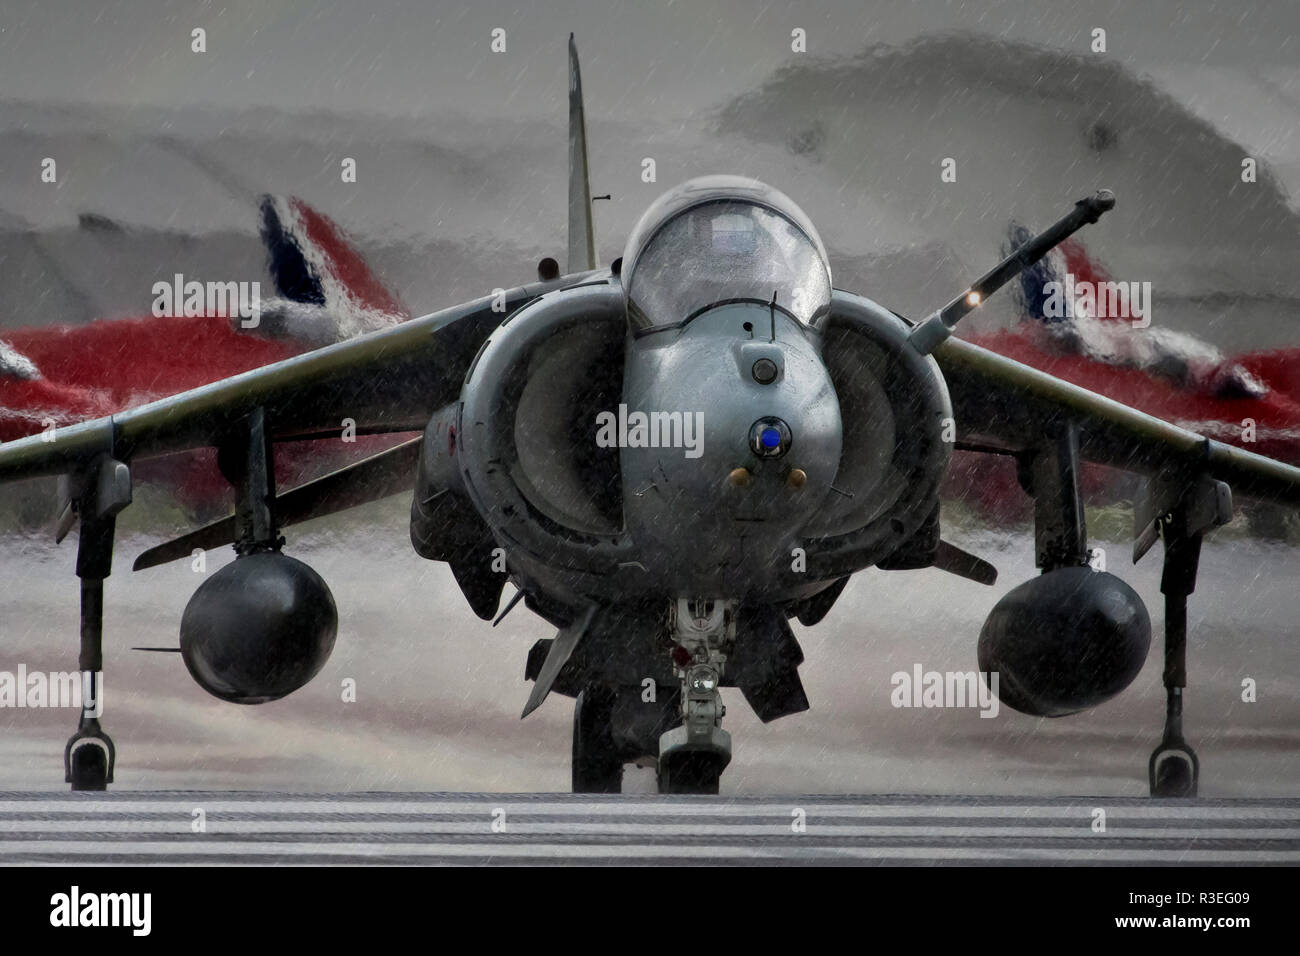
653,55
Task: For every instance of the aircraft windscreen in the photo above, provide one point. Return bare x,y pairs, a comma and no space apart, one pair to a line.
724,250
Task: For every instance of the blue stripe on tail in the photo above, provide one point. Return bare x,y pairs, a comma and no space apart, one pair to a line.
1031,295
293,276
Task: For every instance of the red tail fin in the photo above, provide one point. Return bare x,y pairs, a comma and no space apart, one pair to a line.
313,263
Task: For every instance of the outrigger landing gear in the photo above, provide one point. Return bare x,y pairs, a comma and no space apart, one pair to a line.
693,755
95,495
1203,505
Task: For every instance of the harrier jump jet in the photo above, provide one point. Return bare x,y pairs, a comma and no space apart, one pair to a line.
669,458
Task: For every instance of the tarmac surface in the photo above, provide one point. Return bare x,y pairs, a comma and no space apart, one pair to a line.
214,828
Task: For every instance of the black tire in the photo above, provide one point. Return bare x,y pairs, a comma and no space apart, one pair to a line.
1174,778
597,765
89,768
697,772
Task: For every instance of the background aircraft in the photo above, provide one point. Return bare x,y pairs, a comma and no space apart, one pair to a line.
54,375
1251,400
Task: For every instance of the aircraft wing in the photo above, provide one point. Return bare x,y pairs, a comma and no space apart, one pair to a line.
394,379
391,380
1001,404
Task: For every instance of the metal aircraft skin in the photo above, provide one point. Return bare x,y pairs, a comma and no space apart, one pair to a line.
669,458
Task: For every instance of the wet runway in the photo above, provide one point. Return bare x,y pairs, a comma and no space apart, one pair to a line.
179,827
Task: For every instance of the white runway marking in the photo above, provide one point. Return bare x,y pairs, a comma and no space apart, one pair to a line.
300,829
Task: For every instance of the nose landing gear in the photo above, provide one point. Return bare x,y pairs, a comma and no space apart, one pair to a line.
693,755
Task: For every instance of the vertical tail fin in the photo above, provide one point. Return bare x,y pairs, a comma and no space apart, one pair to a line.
582,231
1069,258
312,261
1032,293
326,290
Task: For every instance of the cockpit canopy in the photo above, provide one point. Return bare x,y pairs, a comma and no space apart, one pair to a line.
718,239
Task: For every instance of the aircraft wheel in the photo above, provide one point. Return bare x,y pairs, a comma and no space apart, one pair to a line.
88,768
1173,776
697,772
597,765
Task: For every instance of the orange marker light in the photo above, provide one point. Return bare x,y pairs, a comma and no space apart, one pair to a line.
739,478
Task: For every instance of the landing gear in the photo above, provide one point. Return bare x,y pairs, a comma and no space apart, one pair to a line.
676,729
89,757
1174,769
693,755
95,495
692,772
597,763
1201,506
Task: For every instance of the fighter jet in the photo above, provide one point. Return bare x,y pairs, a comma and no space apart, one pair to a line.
56,375
669,457
1250,399
1170,374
